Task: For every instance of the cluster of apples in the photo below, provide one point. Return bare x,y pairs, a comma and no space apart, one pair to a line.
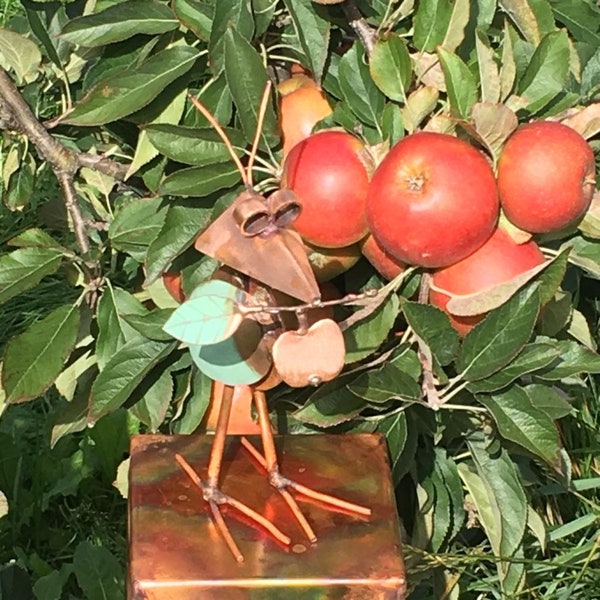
434,200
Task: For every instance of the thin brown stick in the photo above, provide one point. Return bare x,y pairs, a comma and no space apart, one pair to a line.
266,434
264,522
365,33
262,111
332,500
224,530
215,125
291,502
216,453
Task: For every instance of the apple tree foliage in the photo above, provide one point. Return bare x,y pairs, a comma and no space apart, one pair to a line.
472,425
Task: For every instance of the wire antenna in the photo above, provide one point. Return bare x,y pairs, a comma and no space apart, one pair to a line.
262,111
215,125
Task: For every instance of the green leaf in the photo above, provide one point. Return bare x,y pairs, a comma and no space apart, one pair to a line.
495,488
550,400
124,373
25,268
522,422
113,331
585,253
331,404
247,78
195,15
363,338
392,126
533,357
196,404
391,67
137,222
448,472
37,238
489,74
235,14
192,145
574,359
402,441
183,222
33,360
313,33
358,88
419,104
145,151
20,186
460,83
385,383
121,94
120,22
522,15
150,324
200,181
210,316
20,54
496,340
547,72
433,326
582,19
98,572
430,23
151,410
455,34
241,359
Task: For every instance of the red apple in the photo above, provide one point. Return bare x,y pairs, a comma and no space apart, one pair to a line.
546,177
387,266
498,261
432,200
329,172
172,281
301,106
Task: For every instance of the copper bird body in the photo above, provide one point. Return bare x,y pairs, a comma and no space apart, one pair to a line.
255,236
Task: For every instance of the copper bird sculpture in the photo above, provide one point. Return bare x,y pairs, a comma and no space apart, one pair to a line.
255,237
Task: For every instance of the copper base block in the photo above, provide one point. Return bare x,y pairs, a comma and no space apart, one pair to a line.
176,552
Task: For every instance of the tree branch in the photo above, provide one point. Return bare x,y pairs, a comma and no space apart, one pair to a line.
365,33
15,115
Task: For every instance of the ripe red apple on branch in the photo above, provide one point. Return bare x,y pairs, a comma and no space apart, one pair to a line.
498,261
546,177
432,200
301,106
329,172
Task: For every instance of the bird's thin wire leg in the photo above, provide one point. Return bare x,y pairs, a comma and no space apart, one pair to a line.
210,489
269,463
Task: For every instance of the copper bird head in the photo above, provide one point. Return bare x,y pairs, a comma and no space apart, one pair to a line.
254,236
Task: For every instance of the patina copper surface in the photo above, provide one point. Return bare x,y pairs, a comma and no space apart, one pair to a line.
176,553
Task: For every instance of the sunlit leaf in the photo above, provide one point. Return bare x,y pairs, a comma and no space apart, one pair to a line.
121,94
496,340
24,268
210,316
390,67
119,22
33,360
522,422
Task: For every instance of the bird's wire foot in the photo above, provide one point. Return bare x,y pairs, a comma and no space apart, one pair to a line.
282,484
216,498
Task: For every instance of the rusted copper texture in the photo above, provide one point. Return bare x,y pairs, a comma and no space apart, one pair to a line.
176,552
254,237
